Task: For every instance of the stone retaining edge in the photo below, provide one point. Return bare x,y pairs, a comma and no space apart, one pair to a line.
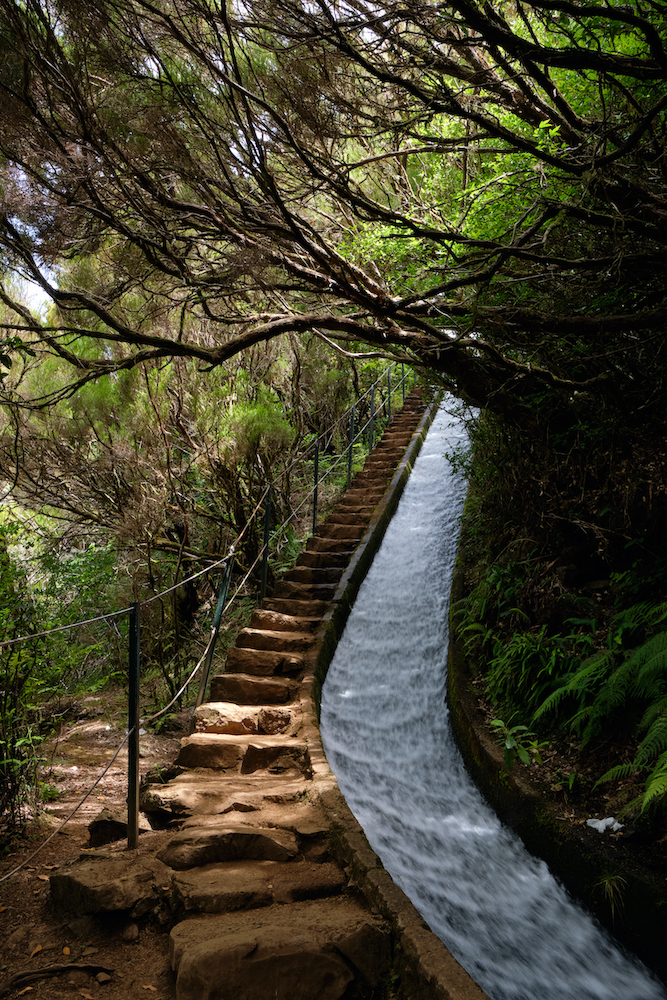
580,858
425,967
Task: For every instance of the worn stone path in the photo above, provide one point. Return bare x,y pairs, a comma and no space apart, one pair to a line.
257,819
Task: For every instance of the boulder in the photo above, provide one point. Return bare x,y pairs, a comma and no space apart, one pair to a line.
111,824
104,883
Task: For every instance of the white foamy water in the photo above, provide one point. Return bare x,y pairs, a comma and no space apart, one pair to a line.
388,740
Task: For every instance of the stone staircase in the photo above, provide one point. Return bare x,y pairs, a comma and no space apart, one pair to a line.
247,802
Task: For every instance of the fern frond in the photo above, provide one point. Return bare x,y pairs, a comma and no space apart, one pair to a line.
656,784
615,773
646,613
654,743
650,662
611,696
579,683
654,711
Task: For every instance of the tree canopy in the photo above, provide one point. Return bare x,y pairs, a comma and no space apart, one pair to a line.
476,188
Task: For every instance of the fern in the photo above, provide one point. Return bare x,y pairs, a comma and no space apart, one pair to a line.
650,660
654,711
611,696
580,683
616,773
654,743
626,623
656,784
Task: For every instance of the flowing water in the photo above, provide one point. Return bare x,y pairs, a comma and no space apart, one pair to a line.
388,740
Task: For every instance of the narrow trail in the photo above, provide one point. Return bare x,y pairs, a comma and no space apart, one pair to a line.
386,734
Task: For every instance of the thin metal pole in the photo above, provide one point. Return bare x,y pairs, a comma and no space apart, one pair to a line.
215,628
403,379
134,672
372,420
265,545
316,476
349,453
389,395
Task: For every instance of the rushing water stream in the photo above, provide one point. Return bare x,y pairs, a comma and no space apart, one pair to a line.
388,740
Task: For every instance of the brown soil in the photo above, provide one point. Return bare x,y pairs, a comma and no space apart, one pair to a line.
121,959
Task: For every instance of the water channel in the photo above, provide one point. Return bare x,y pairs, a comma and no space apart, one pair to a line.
387,738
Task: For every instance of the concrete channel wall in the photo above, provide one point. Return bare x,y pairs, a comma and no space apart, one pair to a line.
424,966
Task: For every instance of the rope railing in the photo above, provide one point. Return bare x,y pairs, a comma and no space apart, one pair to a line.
224,602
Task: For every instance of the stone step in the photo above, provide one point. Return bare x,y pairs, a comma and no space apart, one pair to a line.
277,640
325,559
314,574
274,809
207,845
344,517
319,948
248,690
305,591
295,606
358,497
352,531
246,885
243,720
318,543
244,754
264,662
264,619
212,794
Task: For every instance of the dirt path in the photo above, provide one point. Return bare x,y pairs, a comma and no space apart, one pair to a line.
32,935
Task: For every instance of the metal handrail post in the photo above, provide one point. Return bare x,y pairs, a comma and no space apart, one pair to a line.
316,476
349,453
265,545
215,629
134,671
371,432
389,395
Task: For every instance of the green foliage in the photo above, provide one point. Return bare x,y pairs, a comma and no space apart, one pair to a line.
612,886
621,687
517,741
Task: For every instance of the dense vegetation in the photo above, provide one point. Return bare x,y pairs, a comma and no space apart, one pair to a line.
218,200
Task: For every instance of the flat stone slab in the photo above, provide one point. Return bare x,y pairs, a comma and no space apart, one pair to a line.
325,559
105,883
307,951
212,794
322,543
242,720
297,814
205,845
278,640
276,754
265,619
305,591
244,885
262,662
316,574
294,606
247,690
